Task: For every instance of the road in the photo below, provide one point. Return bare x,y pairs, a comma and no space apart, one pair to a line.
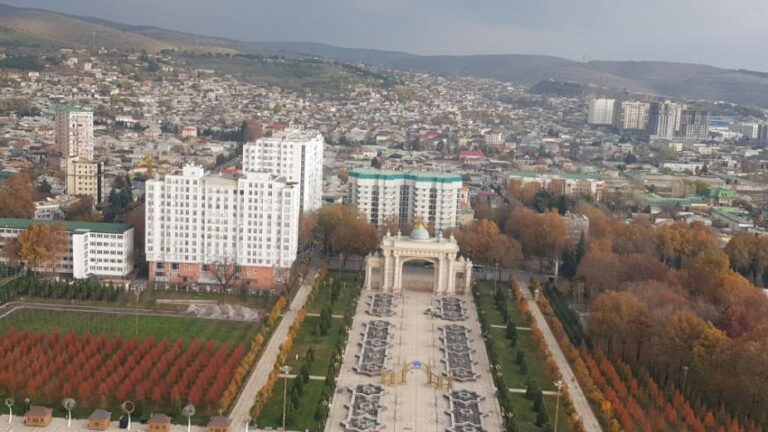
580,403
257,379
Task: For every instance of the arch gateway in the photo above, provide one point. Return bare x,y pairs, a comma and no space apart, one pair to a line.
384,271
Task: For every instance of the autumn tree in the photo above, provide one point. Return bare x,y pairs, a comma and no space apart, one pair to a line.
41,246
483,243
16,197
251,130
82,210
307,225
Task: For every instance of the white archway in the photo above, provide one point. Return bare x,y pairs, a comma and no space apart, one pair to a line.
384,272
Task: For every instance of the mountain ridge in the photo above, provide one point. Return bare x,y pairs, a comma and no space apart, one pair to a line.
665,79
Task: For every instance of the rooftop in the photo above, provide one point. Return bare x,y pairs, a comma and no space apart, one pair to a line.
532,174
71,226
370,173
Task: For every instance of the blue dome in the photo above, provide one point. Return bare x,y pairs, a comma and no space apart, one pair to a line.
420,233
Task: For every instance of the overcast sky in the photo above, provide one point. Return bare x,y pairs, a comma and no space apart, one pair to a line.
729,33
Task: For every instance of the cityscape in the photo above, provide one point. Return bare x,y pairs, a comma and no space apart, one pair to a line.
203,233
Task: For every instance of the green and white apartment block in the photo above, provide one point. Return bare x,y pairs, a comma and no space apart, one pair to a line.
403,196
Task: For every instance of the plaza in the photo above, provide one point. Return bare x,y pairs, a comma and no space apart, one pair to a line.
423,352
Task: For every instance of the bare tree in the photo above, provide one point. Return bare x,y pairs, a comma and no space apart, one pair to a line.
226,271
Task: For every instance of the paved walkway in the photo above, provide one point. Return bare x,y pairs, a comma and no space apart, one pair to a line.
9,308
499,326
580,403
241,411
414,406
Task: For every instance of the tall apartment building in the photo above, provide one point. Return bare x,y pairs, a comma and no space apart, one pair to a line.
631,115
202,227
85,177
103,250
664,119
294,154
74,133
405,195
74,142
694,126
562,183
761,135
600,112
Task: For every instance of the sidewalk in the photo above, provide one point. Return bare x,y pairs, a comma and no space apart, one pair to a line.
580,403
240,411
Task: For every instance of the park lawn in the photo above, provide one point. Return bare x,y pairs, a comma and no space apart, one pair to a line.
231,332
509,368
323,297
526,417
488,304
322,346
300,418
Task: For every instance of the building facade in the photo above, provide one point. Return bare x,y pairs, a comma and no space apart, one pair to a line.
630,115
85,177
294,154
664,119
694,126
600,112
212,228
103,250
404,196
562,183
74,133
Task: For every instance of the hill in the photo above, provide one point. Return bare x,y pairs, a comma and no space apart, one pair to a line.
35,27
41,28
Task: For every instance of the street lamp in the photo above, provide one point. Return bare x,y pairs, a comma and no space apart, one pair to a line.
68,405
559,384
685,377
9,404
189,411
128,407
247,423
285,369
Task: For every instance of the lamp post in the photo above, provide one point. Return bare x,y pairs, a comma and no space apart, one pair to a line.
128,408
189,411
9,404
285,369
247,423
685,378
559,384
68,405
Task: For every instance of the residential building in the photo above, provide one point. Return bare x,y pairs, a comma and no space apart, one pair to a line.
74,133
403,196
762,135
562,183
294,154
631,115
85,177
694,126
664,119
600,112
103,250
202,227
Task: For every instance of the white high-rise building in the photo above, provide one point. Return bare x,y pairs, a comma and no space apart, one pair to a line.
74,133
294,154
600,112
631,115
664,119
405,195
202,227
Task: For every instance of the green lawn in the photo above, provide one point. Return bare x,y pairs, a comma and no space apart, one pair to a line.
323,297
488,304
300,418
526,416
322,346
174,328
510,369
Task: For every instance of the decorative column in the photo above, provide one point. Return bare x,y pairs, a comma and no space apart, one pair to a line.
451,275
386,283
397,273
468,272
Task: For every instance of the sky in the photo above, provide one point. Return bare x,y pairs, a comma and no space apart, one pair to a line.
726,33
